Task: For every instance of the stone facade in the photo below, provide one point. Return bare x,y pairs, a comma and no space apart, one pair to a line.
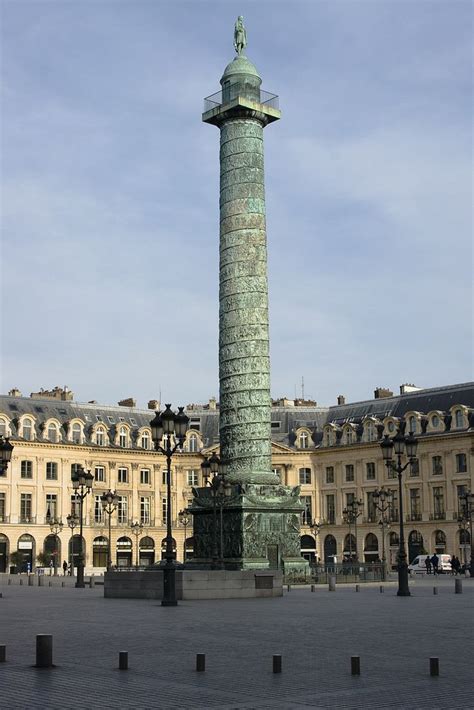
307,440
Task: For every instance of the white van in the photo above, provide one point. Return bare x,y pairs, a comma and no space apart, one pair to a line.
418,565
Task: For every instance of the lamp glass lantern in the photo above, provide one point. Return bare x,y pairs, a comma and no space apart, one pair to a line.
168,420
156,425
387,448
411,444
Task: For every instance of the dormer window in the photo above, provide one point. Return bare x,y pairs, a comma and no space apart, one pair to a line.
53,435
193,444
76,433
100,436
412,423
123,437
370,433
28,429
145,440
349,438
435,421
459,419
303,440
3,427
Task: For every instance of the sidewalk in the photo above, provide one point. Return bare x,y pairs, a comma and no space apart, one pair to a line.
316,633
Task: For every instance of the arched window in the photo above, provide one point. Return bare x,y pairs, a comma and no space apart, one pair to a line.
100,436
308,548
371,543
349,436
350,547
459,419
123,437
193,444
370,431
4,549
3,427
440,541
52,550
435,421
76,433
26,548
147,551
100,547
124,552
412,424
303,440
53,435
330,548
145,440
27,429
393,539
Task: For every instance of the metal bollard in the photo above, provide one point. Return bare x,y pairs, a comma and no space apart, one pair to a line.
332,583
31,580
50,584
357,588
3,654
277,664
200,662
44,651
63,584
382,589
435,590
458,586
288,588
21,581
355,665
312,587
9,582
1,595
91,582
40,581
434,666
123,660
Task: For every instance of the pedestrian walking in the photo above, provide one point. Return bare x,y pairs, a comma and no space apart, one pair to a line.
428,564
64,568
435,563
457,565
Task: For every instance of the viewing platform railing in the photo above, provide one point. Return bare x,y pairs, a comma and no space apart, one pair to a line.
257,95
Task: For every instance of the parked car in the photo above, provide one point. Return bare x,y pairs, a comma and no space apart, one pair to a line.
418,565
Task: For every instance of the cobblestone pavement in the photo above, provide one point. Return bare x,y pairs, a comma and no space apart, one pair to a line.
316,633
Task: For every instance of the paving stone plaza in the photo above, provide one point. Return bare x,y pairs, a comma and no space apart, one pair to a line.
316,634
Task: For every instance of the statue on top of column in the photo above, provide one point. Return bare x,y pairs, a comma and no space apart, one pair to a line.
240,35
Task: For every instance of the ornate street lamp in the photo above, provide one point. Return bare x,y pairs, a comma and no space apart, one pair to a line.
383,502
5,454
82,484
467,515
109,502
56,527
137,530
316,529
214,476
72,522
400,444
351,512
184,520
165,424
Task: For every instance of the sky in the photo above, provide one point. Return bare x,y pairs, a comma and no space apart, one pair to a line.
109,202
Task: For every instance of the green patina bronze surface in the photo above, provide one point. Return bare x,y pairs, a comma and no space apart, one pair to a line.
261,519
244,360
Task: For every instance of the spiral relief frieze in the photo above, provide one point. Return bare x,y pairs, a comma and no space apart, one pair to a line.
244,364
